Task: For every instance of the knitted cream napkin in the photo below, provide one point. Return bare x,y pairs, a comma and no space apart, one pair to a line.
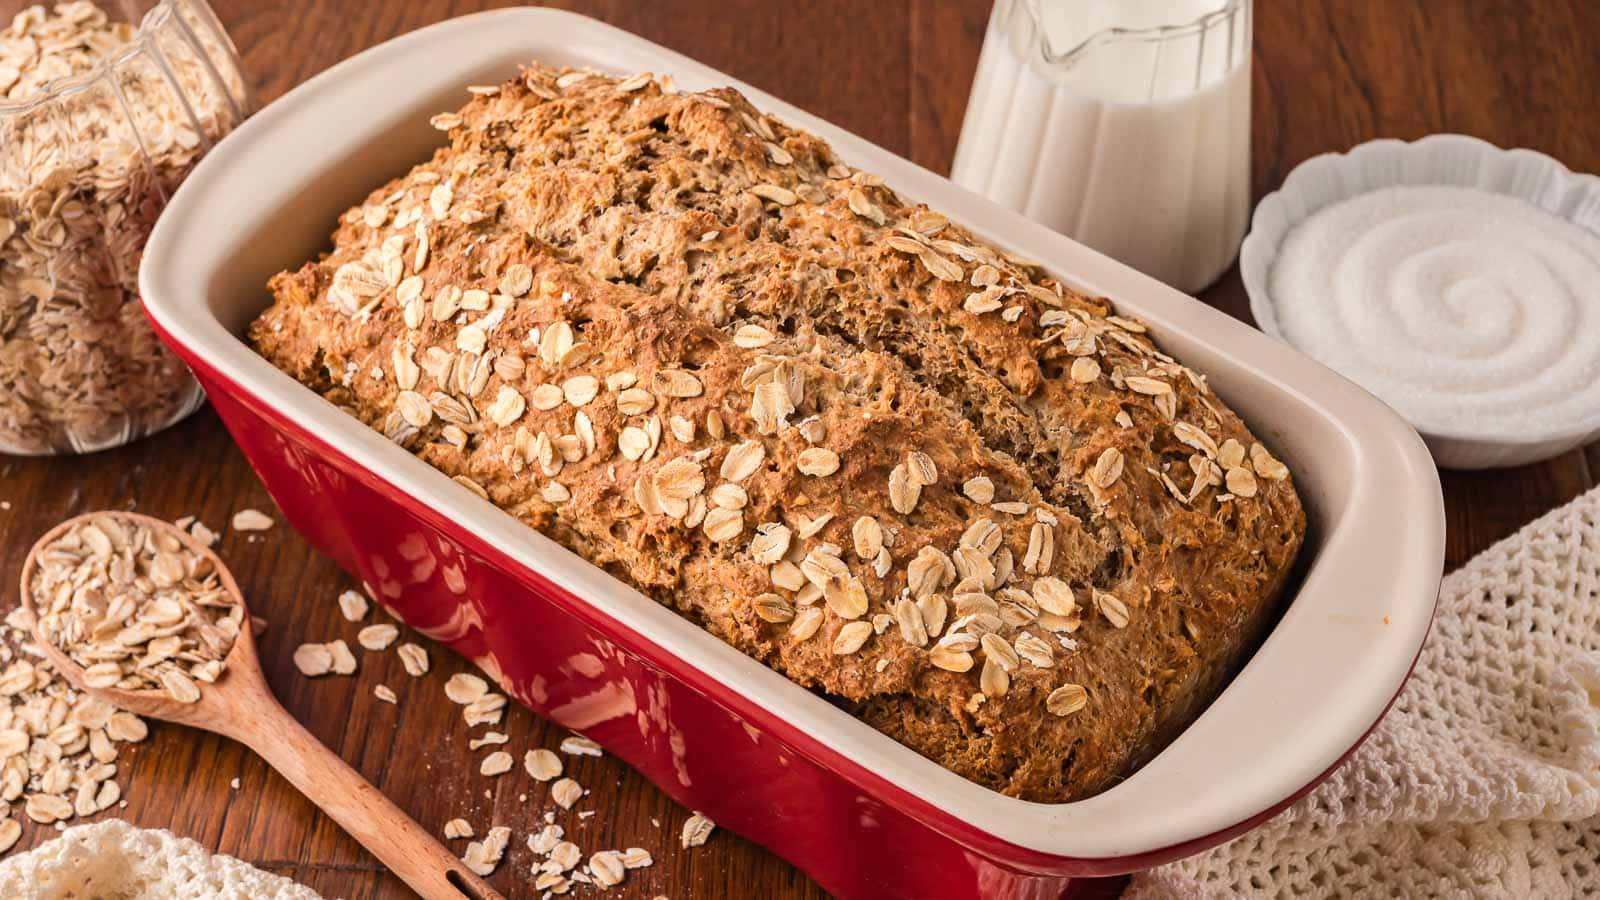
1484,779
112,860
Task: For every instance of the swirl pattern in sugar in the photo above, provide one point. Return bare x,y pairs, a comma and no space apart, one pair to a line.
1470,313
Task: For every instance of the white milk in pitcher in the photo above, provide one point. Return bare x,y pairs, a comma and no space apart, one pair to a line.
1124,124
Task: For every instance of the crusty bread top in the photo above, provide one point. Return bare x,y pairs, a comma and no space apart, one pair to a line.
976,507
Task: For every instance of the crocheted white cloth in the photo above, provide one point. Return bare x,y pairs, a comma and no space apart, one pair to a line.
112,860
1484,779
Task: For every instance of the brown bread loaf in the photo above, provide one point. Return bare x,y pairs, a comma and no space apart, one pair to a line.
973,507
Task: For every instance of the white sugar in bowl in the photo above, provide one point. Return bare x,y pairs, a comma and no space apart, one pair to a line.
1456,281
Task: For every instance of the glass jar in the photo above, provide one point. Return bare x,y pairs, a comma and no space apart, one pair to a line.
1123,124
102,114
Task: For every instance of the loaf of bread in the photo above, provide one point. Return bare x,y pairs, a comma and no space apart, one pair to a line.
975,508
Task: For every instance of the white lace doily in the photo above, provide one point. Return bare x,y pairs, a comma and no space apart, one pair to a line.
1484,779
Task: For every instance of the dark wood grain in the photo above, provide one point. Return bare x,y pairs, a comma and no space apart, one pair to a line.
1328,74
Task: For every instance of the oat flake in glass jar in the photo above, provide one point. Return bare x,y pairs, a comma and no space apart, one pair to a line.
103,111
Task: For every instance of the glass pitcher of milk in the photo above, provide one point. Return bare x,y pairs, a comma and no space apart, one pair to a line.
1124,124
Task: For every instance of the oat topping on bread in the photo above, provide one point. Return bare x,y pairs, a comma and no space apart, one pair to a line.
974,507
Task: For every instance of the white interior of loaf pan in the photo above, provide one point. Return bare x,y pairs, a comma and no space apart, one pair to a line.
268,196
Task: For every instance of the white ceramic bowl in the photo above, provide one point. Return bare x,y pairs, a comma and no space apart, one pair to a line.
1441,159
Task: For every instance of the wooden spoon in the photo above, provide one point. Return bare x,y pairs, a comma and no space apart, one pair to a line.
241,706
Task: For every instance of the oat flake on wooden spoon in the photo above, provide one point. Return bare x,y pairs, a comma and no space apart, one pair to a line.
104,587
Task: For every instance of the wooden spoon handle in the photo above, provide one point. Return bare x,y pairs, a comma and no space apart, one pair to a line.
361,809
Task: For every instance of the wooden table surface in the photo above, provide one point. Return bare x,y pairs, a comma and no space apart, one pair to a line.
1328,74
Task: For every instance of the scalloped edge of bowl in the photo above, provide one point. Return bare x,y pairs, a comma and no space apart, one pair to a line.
1438,159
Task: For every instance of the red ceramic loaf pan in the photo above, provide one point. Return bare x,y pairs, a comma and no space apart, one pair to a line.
716,730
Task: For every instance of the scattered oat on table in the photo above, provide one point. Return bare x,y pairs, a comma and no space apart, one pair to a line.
353,606
377,637
313,659
203,534
566,792
697,830
606,868
482,857
496,763
464,688
251,520
575,745
489,739
542,764
414,658
343,661
486,710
